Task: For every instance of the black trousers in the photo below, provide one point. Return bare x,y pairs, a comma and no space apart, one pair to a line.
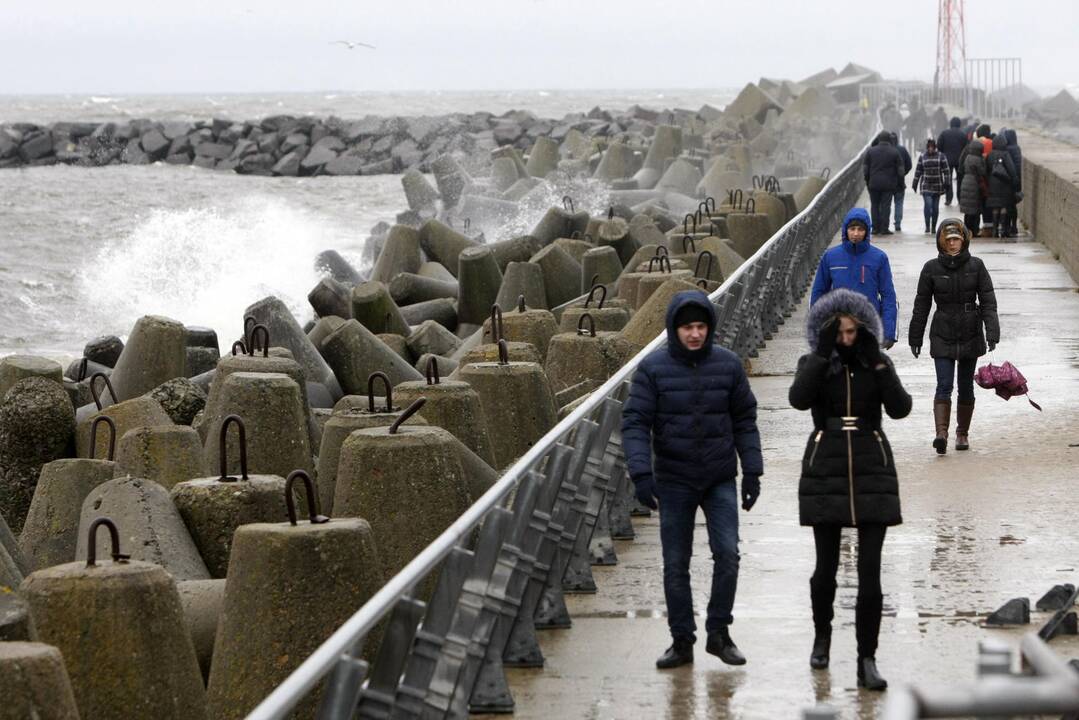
822,585
973,222
880,205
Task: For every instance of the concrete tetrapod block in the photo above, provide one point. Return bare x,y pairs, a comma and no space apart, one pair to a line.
331,297
397,343
299,583
332,264
666,143
517,402
50,534
652,282
454,406
748,232
520,189
15,621
535,327
543,159
522,278
605,319
503,173
719,180
104,349
808,190
682,176
518,249
617,163
480,281
601,264
557,223
451,179
120,629
151,530
202,602
524,352
561,275
410,288
214,413
278,437
127,415
442,243
324,326
37,422
374,308
14,368
408,503
644,230
436,271
430,337
419,193
574,358
286,332
485,213
573,247
14,550
341,424
651,318
181,399
772,206
355,353
10,574
166,454
401,253
445,364
156,351
198,360
1014,612
443,311
34,682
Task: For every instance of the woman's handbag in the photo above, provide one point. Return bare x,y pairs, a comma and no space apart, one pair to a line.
1000,172
1005,379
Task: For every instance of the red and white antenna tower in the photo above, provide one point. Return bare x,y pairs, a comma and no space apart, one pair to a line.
951,44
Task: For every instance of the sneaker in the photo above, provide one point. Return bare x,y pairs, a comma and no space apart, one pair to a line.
678,654
721,645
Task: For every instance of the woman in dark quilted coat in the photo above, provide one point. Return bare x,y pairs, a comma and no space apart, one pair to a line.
964,326
1003,181
972,184
848,471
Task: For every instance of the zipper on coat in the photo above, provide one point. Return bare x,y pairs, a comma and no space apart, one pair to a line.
816,447
850,452
880,441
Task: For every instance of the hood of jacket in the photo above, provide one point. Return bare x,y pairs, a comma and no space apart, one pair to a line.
952,261
674,345
1011,137
955,122
857,214
882,137
1000,142
845,302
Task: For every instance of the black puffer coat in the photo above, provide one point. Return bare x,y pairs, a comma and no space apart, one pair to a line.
1001,190
882,167
848,476
971,179
963,291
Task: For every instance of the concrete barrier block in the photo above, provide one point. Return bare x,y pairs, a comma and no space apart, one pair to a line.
34,682
14,368
156,351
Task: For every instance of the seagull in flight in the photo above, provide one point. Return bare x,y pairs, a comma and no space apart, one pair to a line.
351,45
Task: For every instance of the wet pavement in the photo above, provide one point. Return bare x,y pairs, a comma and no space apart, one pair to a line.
981,527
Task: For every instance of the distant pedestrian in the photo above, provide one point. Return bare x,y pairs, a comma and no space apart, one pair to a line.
856,264
882,169
1003,182
951,142
691,417
848,469
933,175
901,187
964,326
1017,159
939,121
972,185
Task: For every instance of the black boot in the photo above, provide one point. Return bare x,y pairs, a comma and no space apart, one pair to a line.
868,676
822,647
721,645
678,654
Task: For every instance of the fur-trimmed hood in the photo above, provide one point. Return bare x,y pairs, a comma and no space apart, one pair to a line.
846,302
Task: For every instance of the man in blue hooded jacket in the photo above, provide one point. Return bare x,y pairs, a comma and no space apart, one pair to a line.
690,417
857,265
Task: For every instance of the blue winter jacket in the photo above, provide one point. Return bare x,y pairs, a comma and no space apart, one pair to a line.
689,412
860,267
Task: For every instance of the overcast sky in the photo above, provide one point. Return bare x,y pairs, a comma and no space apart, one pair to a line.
131,46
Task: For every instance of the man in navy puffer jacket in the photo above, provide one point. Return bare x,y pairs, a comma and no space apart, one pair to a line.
690,417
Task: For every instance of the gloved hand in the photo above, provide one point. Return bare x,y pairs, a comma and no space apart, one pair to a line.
915,350
751,490
914,186
826,339
867,345
888,344
646,491
992,346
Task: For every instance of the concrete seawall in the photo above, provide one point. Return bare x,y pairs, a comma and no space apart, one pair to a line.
1050,207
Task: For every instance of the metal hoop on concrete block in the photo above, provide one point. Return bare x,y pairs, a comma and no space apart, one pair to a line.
94,392
309,488
431,371
258,331
239,344
591,332
408,412
223,451
111,455
697,270
114,536
503,353
496,323
567,204
692,243
592,292
379,375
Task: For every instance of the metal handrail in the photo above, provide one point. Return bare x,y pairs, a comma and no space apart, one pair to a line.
345,641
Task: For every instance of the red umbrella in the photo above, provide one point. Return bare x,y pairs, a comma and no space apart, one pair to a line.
1005,379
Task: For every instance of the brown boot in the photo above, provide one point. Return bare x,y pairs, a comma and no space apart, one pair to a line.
942,414
963,413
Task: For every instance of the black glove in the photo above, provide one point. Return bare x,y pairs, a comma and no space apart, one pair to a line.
826,339
646,491
914,186
888,344
867,344
992,346
915,350
751,490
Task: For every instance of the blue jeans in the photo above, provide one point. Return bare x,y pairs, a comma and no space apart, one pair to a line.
931,209
678,505
897,200
946,371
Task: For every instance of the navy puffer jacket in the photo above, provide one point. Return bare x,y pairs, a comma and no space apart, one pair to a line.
691,415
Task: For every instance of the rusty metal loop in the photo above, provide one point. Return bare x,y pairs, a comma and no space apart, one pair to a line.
567,204
592,292
652,259
575,235
468,224
255,334
249,323
503,352
94,392
379,375
665,259
496,323
698,218
738,196
83,365
309,490
591,325
702,284
114,536
223,451
697,270
239,344
662,250
751,206
691,241
430,371
521,305
758,182
408,412
826,173
710,204
112,436
773,184
730,198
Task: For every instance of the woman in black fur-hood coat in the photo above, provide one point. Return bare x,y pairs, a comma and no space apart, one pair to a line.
848,470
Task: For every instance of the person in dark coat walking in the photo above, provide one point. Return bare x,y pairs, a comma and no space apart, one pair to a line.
971,184
951,142
689,419
934,175
848,470
882,169
1003,183
964,326
901,187
1017,158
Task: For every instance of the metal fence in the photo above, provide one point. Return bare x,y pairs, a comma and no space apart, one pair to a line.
504,565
